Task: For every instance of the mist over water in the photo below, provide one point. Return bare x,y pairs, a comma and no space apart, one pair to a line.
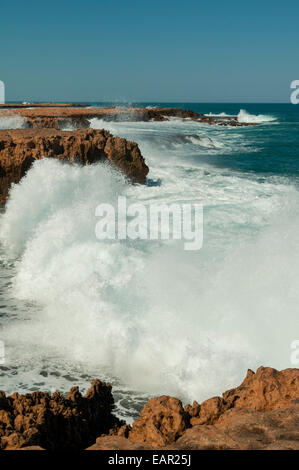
147,315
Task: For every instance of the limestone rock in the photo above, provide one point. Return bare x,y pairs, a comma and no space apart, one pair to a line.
20,148
161,422
267,389
57,422
245,429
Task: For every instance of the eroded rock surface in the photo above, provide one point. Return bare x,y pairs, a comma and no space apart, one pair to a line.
267,389
117,443
56,422
262,413
20,148
161,422
245,429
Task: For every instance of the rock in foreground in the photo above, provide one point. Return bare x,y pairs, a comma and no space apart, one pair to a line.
56,422
117,443
161,422
243,429
262,413
20,148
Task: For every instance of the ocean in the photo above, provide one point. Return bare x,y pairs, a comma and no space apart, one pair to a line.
148,316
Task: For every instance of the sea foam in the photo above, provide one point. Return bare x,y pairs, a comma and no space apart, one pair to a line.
150,314
246,117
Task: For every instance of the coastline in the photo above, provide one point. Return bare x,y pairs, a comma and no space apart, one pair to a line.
260,414
56,130
215,424
57,116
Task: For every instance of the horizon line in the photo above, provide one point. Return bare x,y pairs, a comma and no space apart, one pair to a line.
147,102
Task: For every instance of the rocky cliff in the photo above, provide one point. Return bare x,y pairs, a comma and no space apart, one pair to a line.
20,148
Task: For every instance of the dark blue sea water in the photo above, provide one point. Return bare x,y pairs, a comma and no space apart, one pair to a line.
277,145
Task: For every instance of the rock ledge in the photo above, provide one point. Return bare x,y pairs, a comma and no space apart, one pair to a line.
20,148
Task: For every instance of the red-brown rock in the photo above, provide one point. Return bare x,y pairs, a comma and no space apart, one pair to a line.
267,389
117,443
29,448
20,148
208,412
161,422
245,429
56,422
262,413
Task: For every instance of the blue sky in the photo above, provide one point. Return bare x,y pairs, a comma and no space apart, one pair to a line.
200,51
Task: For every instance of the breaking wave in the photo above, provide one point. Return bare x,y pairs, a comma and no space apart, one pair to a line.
159,319
245,117
219,115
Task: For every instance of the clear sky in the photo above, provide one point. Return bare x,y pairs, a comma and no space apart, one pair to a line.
166,50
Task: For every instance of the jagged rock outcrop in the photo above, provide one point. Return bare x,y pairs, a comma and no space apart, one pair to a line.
237,429
19,148
266,390
56,422
161,422
262,413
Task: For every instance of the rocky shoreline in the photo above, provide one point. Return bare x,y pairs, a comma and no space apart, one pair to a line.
57,117
262,413
43,136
